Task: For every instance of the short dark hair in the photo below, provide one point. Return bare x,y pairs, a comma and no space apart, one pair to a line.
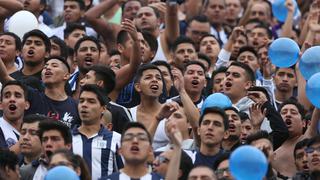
243,116
16,83
216,111
113,52
122,37
72,27
313,140
97,91
300,145
266,28
151,40
136,125
221,69
105,74
87,38
249,73
204,57
211,35
39,34
249,49
62,45
194,63
80,3
220,159
181,40
258,135
32,118
51,124
165,64
16,38
261,89
185,165
294,102
8,159
199,18
61,59
143,68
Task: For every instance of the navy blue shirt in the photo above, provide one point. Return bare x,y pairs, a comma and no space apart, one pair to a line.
123,176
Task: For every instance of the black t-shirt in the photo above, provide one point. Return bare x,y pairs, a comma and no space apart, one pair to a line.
66,111
120,116
33,80
203,160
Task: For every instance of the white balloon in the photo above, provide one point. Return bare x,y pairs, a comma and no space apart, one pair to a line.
22,22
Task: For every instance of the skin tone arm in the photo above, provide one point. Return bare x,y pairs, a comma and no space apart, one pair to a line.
190,108
313,128
7,8
288,24
4,76
193,8
107,30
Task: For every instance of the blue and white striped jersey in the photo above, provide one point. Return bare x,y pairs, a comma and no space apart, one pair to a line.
123,176
99,151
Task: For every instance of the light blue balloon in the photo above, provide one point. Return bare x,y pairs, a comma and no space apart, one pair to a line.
216,100
310,62
284,52
248,163
280,11
61,172
313,89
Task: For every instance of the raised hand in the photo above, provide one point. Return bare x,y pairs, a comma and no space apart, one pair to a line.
257,115
178,80
257,96
166,110
129,26
290,6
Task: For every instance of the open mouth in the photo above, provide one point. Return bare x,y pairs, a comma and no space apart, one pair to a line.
30,52
195,82
12,107
228,84
288,122
154,87
134,149
88,61
232,127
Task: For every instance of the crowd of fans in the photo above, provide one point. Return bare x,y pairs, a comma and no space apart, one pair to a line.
114,89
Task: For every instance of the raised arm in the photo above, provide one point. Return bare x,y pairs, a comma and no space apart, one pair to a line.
193,8
313,128
288,24
7,8
107,30
4,76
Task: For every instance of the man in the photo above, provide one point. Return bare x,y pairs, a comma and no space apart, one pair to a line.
249,56
54,135
239,78
183,50
73,11
198,26
9,168
222,167
72,33
53,102
202,172
258,36
104,77
13,104
301,160
213,127
313,154
30,144
37,7
135,149
210,46
218,76
233,10
35,49
97,145
233,140
285,81
10,47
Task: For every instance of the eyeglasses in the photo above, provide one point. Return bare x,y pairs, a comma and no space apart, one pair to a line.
219,172
162,159
310,150
140,137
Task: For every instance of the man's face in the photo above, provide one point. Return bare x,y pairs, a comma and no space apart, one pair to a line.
8,50
234,124
250,59
215,11
210,46
115,62
184,53
30,144
291,116
259,11
313,153
146,19
71,11
32,6
211,130
263,55
166,77
223,171
239,43
13,103
104,56
246,130
55,49
87,55
130,9
218,82
34,51
135,146
179,118
202,173
73,37
52,141
161,163
301,160
150,83
145,50
196,30
194,78
233,8
54,72
89,108
265,146
12,174
257,37
58,160
89,78
236,81
285,79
